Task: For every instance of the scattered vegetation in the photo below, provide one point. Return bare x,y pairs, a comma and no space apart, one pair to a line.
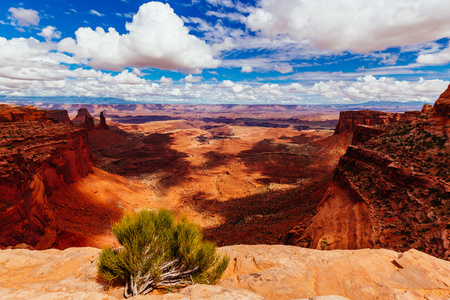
159,251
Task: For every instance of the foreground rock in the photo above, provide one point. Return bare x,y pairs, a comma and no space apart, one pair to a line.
255,272
286,272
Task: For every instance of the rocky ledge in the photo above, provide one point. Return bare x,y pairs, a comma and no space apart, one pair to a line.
255,272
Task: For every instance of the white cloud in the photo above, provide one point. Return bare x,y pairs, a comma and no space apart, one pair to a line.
247,69
384,88
226,3
50,33
236,17
355,25
24,17
157,38
166,81
226,84
284,68
441,57
192,79
96,13
125,15
32,68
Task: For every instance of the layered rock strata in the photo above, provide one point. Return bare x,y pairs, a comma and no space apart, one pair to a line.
37,157
391,189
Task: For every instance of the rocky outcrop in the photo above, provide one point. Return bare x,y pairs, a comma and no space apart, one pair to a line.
10,113
442,105
36,159
58,115
255,272
349,120
103,124
88,122
391,189
84,119
363,133
427,109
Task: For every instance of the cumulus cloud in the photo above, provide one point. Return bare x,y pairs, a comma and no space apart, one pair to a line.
383,88
166,81
50,33
24,17
247,69
156,38
191,78
29,67
437,58
355,25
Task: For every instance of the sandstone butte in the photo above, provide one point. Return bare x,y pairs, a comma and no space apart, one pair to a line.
370,201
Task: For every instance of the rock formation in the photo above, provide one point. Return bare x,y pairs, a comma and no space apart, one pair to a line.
391,189
103,124
255,272
58,115
442,106
36,159
427,108
84,119
349,120
10,113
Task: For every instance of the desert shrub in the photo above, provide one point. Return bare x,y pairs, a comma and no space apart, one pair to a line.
159,251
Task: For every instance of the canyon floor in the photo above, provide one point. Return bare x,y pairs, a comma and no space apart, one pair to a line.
242,184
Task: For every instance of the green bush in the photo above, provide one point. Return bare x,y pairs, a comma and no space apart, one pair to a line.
159,252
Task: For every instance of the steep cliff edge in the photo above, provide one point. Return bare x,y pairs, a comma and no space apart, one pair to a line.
391,189
38,156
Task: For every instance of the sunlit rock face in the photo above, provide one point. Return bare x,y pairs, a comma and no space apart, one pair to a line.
39,156
391,188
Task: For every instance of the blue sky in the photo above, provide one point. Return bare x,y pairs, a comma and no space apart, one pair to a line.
226,51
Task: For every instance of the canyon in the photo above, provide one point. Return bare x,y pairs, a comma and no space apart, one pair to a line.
391,188
248,175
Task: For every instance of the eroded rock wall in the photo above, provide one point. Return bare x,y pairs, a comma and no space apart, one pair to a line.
391,189
37,158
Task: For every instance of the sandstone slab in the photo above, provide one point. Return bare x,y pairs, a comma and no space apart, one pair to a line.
255,272
286,272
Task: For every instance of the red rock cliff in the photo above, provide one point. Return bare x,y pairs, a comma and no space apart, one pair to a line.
391,189
349,120
36,159
58,115
442,106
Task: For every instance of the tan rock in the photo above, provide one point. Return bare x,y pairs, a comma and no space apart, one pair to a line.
255,272
286,272
50,274
205,292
